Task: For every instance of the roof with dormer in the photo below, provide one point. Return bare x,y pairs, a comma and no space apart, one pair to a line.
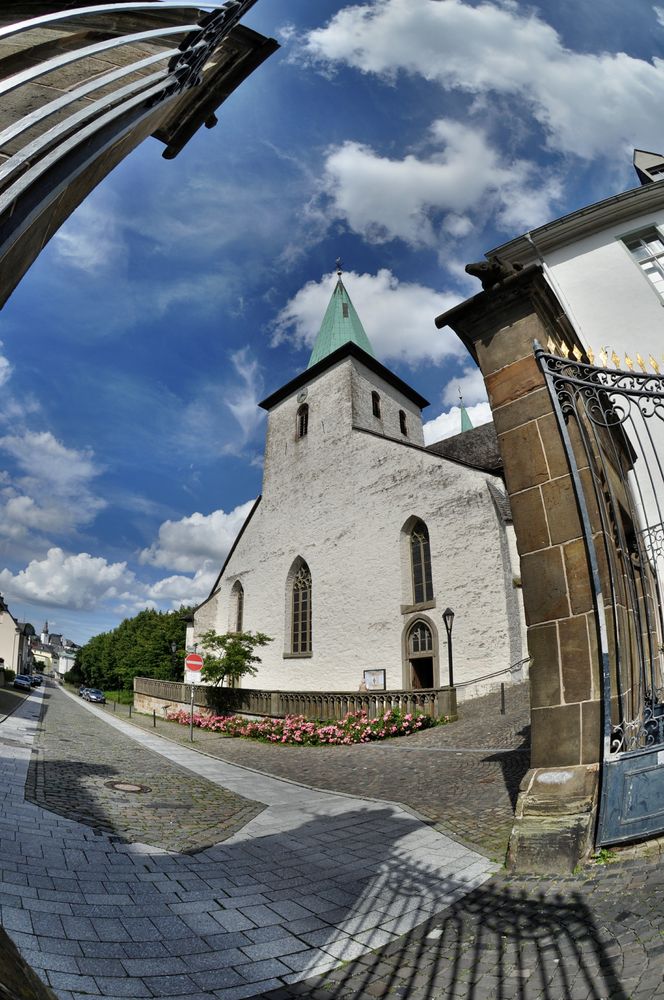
341,325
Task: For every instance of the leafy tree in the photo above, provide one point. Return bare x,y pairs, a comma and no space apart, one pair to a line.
228,657
141,646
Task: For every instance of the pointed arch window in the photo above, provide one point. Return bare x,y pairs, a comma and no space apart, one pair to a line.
237,607
420,554
301,611
303,420
375,404
403,426
420,639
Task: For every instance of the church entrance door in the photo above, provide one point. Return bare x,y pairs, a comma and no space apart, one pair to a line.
421,659
421,671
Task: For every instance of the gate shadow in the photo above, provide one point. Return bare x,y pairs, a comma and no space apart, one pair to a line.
497,941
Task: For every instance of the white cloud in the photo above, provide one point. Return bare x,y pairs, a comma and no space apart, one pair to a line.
61,580
5,367
398,317
202,430
471,385
586,103
176,590
91,240
51,491
198,539
449,422
420,200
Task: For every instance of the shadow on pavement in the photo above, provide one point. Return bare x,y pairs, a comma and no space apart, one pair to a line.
496,942
514,763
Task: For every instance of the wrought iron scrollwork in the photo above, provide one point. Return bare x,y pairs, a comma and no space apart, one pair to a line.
612,422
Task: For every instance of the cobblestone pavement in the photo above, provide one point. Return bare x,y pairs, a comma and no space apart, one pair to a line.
314,879
95,786
595,936
430,772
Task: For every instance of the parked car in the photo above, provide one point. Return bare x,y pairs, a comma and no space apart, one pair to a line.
22,681
36,680
82,690
94,694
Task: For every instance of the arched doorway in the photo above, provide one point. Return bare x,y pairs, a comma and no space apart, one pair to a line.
421,655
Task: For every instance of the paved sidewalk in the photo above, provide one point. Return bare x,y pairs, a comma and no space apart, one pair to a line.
429,771
313,879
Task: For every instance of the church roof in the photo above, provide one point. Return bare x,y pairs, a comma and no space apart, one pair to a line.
349,349
341,325
476,448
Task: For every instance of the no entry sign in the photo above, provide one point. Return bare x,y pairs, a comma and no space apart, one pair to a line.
193,661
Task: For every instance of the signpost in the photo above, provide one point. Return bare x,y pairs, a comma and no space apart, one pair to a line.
193,662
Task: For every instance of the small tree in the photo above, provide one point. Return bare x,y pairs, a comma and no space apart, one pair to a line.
230,656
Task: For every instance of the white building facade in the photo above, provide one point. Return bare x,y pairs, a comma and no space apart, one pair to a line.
605,263
362,537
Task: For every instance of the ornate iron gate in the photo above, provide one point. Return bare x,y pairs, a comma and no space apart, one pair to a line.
612,425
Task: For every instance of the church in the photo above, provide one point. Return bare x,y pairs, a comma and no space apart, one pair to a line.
363,536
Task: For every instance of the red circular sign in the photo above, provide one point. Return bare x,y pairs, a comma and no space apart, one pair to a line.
193,661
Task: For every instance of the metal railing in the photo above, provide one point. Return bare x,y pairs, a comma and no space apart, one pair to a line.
44,151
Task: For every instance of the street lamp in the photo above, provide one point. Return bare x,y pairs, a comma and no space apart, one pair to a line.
448,619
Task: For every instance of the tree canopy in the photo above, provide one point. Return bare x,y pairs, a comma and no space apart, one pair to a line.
228,657
138,647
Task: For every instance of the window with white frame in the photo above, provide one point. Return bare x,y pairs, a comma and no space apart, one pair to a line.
647,249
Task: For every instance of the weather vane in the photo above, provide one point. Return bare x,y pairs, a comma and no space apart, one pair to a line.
338,263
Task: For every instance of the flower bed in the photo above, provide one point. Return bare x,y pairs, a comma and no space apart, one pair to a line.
295,730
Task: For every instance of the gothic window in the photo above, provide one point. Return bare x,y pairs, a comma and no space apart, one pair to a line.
375,404
237,606
302,420
301,611
420,639
402,423
421,563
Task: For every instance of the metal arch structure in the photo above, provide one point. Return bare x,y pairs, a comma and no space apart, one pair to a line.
81,85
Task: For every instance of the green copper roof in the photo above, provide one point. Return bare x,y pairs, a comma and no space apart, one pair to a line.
466,424
341,325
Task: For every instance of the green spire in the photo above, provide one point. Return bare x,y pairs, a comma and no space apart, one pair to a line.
466,423
341,325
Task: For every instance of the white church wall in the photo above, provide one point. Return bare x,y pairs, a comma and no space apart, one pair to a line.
340,504
364,382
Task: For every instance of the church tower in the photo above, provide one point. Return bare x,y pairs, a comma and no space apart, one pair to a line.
344,389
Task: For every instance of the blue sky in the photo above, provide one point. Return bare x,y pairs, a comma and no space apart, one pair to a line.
405,136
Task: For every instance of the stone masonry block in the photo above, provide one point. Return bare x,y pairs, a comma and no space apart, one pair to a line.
553,446
544,586
530,520
578,577
591,731
561,510
520,327
575,659
544,667
523,457
556,735
514,381
522,411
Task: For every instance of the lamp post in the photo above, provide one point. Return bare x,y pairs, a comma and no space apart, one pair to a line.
174,648
448,619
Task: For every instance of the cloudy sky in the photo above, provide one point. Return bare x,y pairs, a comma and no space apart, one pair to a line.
406,137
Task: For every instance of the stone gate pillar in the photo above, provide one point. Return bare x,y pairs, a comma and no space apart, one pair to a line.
557,802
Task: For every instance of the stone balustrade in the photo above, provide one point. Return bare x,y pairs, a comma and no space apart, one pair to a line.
152,694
